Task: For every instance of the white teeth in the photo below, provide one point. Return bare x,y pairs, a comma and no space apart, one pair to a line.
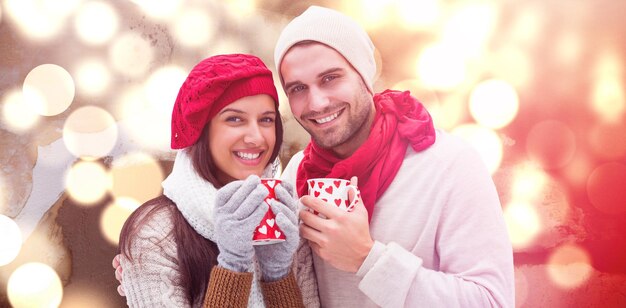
327,119
248,155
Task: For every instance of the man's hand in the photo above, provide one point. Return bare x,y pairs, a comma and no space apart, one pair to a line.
343,238
118,274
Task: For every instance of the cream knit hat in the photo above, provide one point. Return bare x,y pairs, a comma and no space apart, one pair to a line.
335,30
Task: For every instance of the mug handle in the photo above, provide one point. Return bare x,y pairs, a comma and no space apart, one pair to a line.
357,196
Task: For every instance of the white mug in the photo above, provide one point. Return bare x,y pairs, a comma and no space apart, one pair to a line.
334,191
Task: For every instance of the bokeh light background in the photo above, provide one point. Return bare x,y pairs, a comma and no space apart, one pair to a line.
86,89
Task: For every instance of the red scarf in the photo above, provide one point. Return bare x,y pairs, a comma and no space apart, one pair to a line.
400,120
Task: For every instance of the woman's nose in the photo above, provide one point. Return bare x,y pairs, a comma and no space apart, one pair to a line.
253,134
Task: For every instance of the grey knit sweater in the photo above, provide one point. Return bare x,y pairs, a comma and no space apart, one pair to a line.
150,278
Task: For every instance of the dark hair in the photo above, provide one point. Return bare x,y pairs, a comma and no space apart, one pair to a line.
196,255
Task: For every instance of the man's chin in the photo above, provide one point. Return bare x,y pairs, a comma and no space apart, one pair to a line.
324,143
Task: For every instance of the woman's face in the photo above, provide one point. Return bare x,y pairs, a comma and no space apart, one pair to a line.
242,137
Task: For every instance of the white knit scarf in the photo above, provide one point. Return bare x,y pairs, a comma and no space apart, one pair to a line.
195,198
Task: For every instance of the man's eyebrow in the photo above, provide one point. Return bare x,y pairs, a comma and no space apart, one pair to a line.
328,71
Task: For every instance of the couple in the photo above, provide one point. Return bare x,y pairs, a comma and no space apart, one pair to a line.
428,232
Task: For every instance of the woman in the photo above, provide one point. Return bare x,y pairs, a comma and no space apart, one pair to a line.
193,244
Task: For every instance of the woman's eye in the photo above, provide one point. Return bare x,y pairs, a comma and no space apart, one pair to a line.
267,120
233,119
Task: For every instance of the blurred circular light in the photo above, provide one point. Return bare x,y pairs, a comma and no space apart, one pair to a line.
551,144
485,141
370,14
159,9
48,89
609,100
527,24
96,22
152,125
114,216
39,20
93,77
441,67
418,14
523,224
578,170
514,66
11,240
34,285
137,176
568,48
469,28
528,182
130,55
17,116
605,188
608,140
87,182
194,27
494,103
162,87
90,132
143,123
225,45
569,266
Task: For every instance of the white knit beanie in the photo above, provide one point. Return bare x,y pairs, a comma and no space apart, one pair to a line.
335,30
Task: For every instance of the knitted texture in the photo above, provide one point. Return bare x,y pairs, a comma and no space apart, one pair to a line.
150,278
335,30
228,288
282,293
211,85
239,207
195,199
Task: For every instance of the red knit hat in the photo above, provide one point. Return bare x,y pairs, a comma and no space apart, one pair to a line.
213,84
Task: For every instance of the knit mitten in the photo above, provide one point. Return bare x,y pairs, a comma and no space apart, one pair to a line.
276,259
239,207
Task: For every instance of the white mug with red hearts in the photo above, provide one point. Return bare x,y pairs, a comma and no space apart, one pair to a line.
268,232
334,191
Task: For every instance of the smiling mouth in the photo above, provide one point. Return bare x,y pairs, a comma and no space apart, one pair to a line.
248,156
328,118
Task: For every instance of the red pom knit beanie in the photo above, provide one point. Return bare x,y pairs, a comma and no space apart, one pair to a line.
213,84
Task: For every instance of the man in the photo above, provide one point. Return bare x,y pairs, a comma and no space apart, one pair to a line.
430,230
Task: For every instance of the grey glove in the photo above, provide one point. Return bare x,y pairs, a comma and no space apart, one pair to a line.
239,207
276,259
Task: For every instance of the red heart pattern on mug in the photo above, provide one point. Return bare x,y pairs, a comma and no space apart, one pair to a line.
334,191
268,231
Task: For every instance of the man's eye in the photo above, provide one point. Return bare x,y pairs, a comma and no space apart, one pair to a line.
297,88
328,78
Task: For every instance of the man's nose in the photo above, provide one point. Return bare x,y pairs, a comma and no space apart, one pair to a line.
318,100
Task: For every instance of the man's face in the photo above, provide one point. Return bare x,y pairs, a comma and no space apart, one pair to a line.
327,96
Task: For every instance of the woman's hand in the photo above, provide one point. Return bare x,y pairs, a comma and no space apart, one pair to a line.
239,207
276,259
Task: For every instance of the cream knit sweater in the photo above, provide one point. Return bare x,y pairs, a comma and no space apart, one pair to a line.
150,279
440,237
